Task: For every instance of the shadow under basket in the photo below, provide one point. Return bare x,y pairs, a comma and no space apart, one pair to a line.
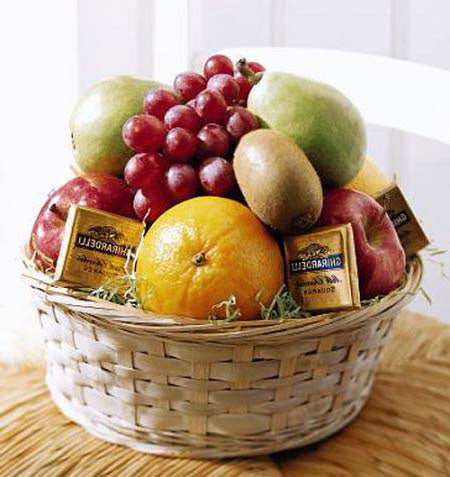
178,386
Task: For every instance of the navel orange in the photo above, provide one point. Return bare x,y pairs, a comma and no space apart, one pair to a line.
203,251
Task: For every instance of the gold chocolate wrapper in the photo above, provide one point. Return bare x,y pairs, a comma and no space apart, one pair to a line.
322,274
407,225
96,247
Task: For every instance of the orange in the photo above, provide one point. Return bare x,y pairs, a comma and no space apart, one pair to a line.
200,253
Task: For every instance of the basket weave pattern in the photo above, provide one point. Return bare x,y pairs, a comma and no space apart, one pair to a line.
177,386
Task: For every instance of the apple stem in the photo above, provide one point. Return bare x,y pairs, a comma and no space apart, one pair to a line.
244,70
54,208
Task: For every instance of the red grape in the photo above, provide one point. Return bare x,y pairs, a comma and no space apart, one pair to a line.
217,176
180,145
217,64
158,102
182,116
145,170
210,106
189,84
149,205
240,121
182,182
255,67
213,140
226,85
144,133
244,86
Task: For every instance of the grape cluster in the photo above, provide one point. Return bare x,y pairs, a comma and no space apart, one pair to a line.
184,140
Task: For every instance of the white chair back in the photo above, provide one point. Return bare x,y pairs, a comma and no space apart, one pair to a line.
388,92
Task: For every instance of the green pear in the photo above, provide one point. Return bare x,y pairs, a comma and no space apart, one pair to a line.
97,120
320,119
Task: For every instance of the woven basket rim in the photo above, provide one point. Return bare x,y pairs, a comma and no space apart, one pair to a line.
107,314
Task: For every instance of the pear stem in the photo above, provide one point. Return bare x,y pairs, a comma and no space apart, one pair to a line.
244,70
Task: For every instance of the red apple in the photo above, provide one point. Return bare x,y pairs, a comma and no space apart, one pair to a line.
99,191
379,254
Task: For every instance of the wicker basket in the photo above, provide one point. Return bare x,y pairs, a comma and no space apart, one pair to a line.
177,386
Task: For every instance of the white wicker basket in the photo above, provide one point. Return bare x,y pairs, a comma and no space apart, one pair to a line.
179,386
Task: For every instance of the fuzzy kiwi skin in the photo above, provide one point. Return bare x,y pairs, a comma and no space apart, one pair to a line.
278,182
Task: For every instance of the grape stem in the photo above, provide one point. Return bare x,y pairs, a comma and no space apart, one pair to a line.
244,70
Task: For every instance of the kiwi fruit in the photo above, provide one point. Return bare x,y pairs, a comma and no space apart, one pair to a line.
277,181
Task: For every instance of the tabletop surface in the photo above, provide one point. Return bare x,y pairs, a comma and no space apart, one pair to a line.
403,430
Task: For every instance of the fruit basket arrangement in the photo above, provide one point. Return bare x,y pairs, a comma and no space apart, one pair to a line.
222,274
